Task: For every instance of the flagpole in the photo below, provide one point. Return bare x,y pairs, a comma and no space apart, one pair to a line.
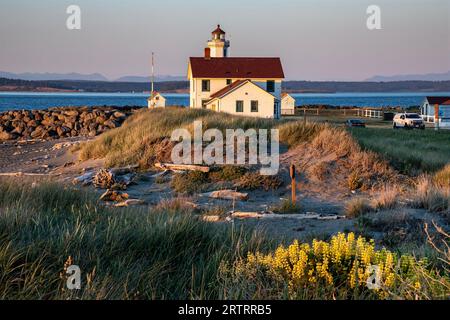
153,72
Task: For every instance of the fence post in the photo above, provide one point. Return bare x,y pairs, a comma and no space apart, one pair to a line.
293,184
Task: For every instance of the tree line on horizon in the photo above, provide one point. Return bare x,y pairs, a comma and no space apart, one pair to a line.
183,86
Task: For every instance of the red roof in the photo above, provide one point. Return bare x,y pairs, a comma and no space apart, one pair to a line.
232,68
218,30
230,88
227,89
439,100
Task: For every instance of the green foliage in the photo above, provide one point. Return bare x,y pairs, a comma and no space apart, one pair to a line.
254,180
335,269
227,173
286,206
168,253
163,253
408,150
189,182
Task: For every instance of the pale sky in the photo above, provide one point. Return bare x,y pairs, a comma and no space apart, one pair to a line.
316,39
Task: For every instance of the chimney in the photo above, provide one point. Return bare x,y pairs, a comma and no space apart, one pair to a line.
207,53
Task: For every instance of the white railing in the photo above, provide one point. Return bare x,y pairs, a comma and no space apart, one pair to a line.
288,112
370,113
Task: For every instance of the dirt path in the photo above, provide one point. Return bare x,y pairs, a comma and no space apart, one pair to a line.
50,158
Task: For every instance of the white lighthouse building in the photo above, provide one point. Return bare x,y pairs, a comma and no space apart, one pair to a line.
240,85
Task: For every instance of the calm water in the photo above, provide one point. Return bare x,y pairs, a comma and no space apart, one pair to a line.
31,100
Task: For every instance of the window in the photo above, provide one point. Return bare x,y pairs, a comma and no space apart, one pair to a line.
205,85
229,81
254,106
412,116
204,103
270,86
239,106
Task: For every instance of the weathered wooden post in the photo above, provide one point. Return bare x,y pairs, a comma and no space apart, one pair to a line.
293,184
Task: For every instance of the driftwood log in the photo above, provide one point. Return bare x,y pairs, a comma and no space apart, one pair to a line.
227,195
130,202
25,174
302,216
181,167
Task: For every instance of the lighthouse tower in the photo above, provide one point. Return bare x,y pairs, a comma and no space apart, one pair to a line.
218,46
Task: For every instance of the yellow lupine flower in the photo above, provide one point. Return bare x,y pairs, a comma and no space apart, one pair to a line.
345,261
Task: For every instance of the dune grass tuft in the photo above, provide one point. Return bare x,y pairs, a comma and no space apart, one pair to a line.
357,207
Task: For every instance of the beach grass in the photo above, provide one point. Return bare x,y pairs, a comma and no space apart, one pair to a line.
163,253
410,151
167,252
146,135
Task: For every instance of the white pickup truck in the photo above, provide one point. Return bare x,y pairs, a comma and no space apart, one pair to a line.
408,120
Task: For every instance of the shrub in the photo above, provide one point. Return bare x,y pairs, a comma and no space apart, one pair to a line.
398,227
162,179
356,207
227,173
189,182
253,181
286,206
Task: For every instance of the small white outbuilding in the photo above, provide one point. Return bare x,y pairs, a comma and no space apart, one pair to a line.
156,100
287,104
436,110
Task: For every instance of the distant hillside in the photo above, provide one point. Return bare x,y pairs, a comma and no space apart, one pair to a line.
397,86
89,86
53,76
413,77
148,79
183,86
